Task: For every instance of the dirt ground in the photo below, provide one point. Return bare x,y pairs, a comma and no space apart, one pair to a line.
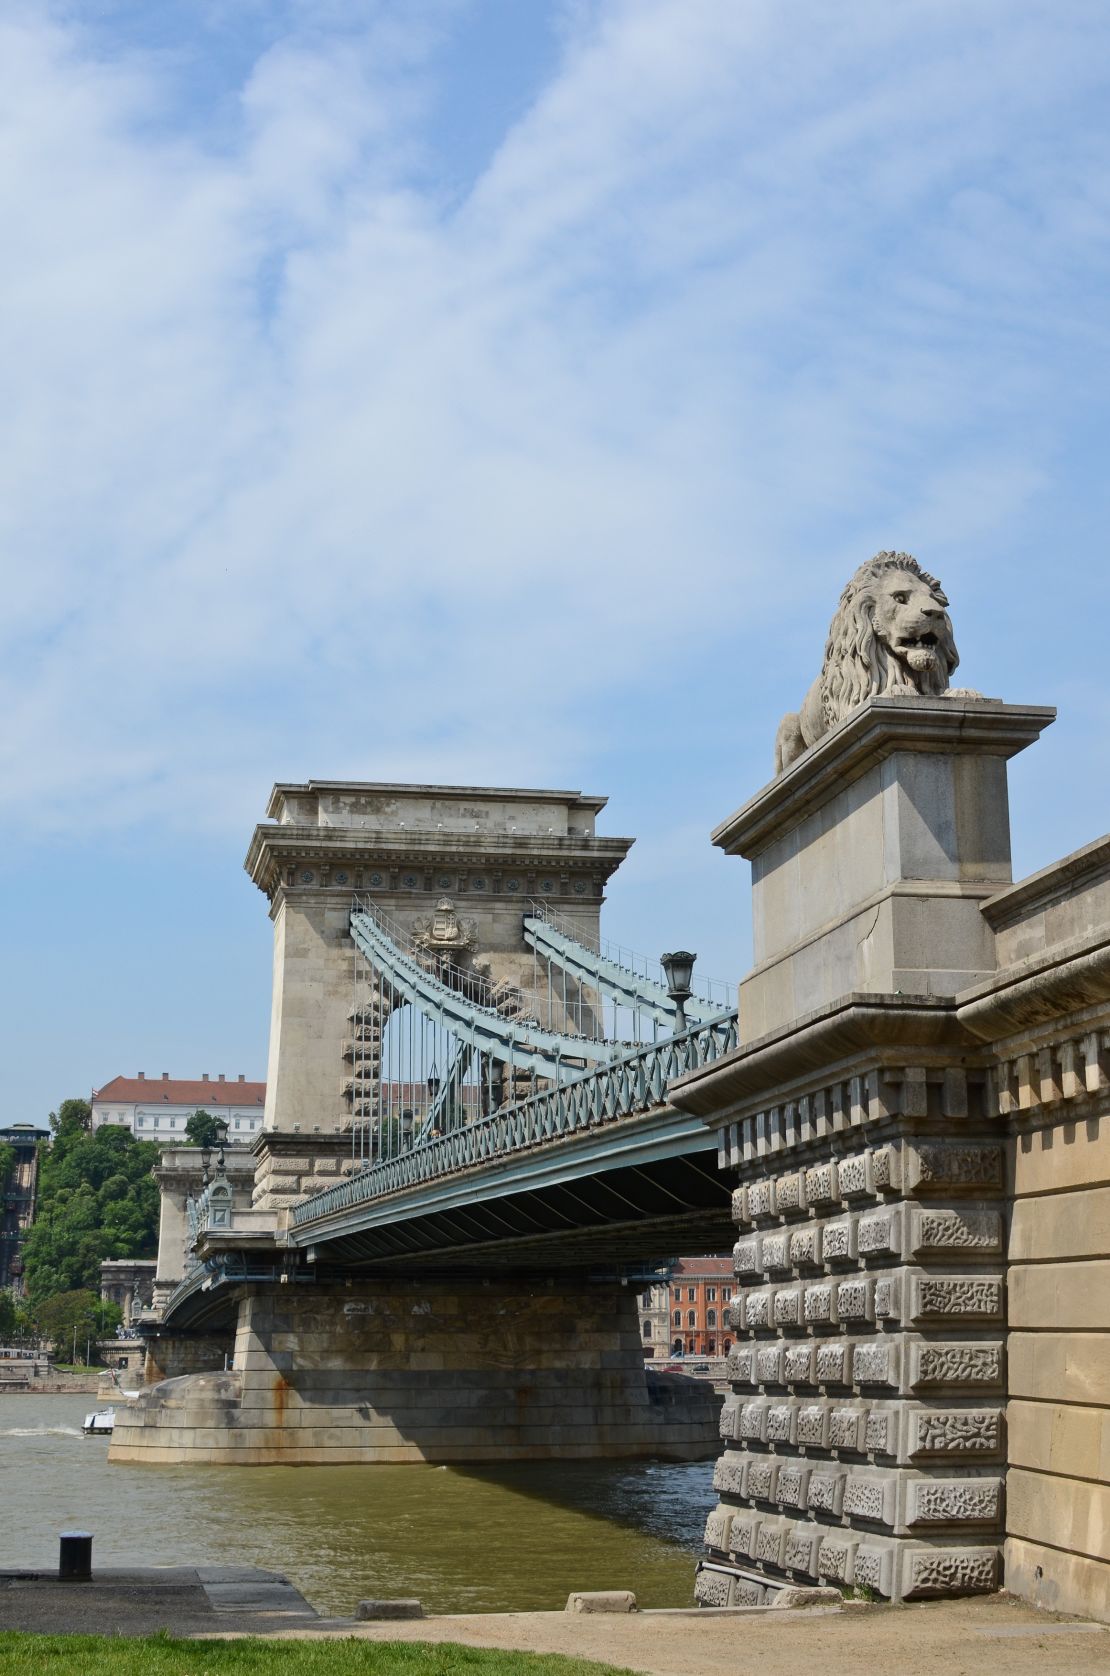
993,1637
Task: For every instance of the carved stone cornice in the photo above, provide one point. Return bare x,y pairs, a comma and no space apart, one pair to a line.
274,848
876,730
858,1032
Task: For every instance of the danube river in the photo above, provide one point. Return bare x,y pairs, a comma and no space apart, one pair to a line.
473,1539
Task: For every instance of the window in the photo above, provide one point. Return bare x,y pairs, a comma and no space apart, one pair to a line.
726,1294
691,1319
647,1329
646,1300
238,1123
711,1347
711,1317
690,1294
678,1294
711,1294
726,1347
678,1318
173,1123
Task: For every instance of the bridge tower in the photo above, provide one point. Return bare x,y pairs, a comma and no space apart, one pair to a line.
485,854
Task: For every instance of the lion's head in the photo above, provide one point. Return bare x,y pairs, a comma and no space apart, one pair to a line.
891,634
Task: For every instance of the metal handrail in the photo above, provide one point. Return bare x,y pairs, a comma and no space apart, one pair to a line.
636,1082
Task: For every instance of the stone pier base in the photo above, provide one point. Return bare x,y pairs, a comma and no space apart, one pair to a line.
393,1371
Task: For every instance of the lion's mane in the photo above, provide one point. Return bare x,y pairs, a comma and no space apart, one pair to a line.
858,664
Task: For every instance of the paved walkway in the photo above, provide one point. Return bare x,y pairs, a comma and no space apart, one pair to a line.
994,1637
186,1600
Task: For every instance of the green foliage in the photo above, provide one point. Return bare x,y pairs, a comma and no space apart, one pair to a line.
7,1163
164,1655
202,1129
8,1317
96,1199
82,1310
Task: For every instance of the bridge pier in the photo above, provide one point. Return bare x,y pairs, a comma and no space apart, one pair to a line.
386,1371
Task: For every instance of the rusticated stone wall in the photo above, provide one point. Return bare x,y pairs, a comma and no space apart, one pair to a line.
864,1436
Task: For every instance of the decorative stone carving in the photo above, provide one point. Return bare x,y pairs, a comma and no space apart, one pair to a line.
768,1364
444,932
739,1365
825,1492
845,1426
805,1247
891,634
769,1543
745,1256
717,1527
757,1309
832,1364
852,1176
820,1183
872,1569
957,1431
968,1296
759,1481
713,1588
780,1423
834,1560
853,1301
813,1425
791,1486
972,1228
748,1593
787,1310
880,1433
797,1364
800,1551
949,1501
742,1536
866,1498
874,1364
772,1251
819,1304
945,1571
728,1474
838,1241
933,1164
956,1364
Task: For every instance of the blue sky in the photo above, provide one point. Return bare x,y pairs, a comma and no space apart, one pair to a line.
501,391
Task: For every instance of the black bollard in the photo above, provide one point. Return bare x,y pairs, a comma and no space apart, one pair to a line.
75,1557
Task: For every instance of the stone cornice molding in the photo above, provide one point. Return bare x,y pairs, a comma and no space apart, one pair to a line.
407,790
1046,988
273,846
874,731
857,1033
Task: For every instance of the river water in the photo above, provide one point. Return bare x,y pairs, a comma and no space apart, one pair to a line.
461,1539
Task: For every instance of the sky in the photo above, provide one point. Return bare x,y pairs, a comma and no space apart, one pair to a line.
501,392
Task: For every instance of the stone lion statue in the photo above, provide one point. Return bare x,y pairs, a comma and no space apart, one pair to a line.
891,634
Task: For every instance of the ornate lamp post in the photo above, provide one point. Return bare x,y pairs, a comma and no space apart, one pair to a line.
679,969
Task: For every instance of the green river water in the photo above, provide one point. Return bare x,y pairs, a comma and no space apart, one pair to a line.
471,1539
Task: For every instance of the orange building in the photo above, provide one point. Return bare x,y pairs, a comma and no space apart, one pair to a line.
700,1291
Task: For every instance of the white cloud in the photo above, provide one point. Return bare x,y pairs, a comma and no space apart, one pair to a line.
309,467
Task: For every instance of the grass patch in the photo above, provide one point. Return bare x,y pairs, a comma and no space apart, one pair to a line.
164,1655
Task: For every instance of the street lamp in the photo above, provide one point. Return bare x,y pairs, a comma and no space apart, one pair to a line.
679,969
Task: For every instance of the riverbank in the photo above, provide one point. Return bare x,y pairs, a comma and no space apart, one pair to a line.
996,1636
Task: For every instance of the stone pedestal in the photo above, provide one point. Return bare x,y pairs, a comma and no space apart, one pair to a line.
864,1439
290,1166
393,1371
872,854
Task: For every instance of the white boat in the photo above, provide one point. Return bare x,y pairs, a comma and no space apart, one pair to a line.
100,1423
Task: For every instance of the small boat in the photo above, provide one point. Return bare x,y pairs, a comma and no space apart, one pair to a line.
100,1423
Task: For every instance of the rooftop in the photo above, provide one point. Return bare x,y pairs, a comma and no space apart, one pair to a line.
181,1091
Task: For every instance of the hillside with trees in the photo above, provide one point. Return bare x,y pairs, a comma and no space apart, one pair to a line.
96,1199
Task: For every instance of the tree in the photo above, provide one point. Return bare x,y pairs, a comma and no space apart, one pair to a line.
202,1129
97,1198
7,1163
7,1316
77,1317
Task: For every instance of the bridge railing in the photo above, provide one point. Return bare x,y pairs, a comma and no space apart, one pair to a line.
636,1082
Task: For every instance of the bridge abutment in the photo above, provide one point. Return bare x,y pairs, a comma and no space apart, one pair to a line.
388,1371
